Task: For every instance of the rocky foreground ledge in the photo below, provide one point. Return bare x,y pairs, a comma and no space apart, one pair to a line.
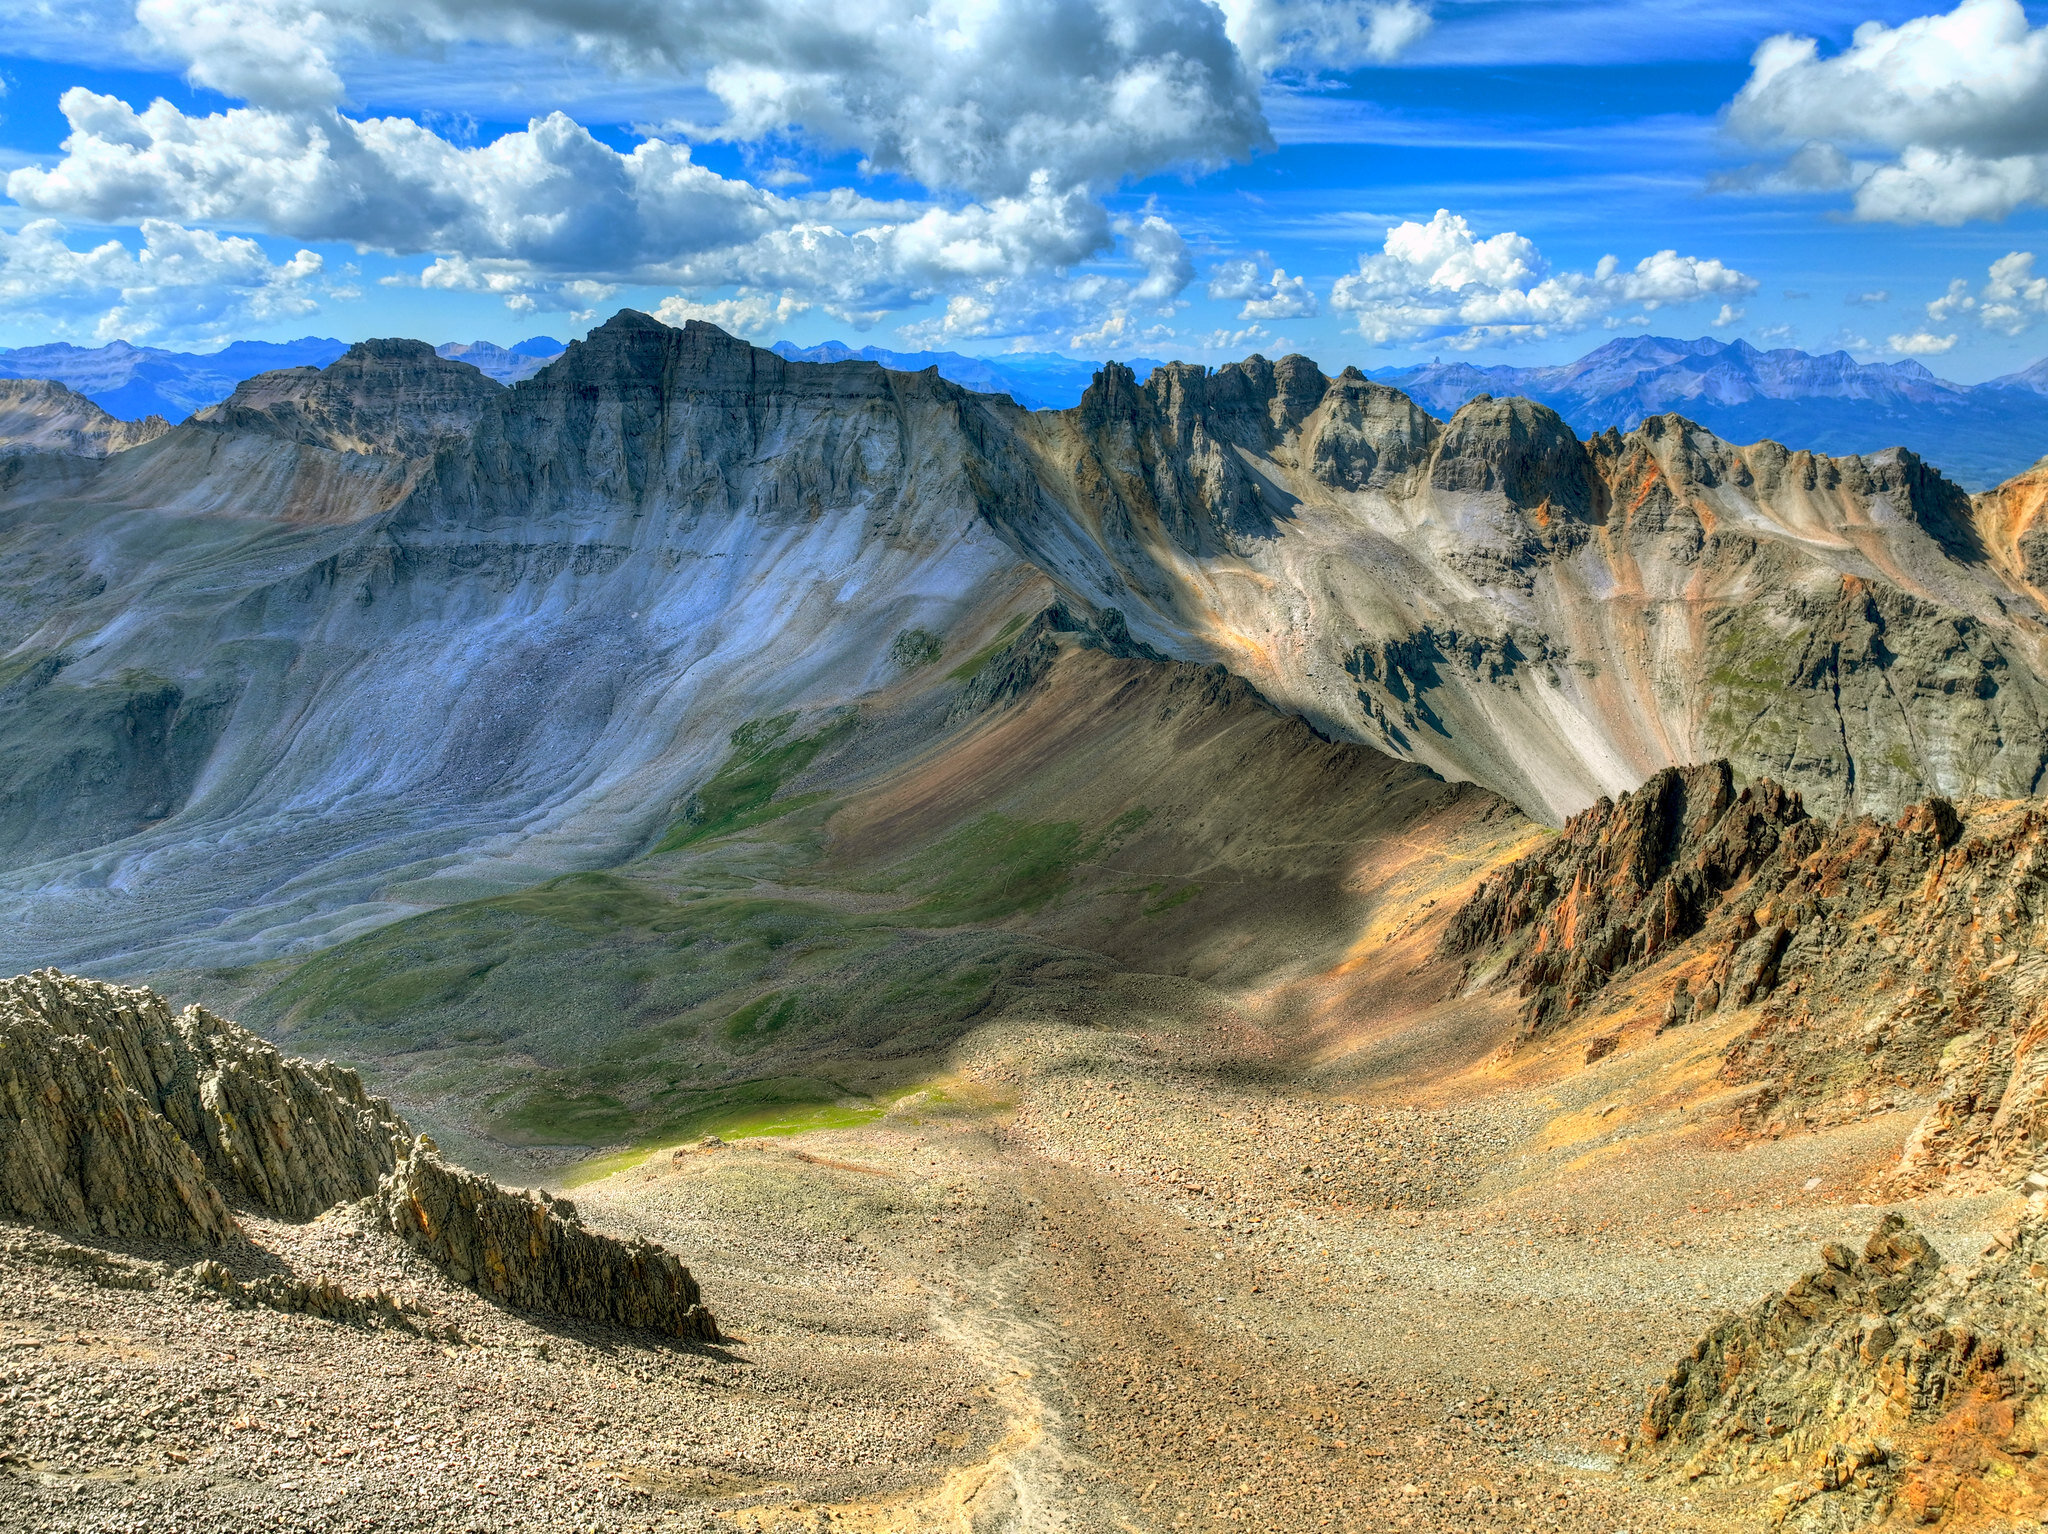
123,1121
1883,1388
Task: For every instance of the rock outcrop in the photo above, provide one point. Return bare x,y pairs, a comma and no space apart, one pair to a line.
1627,881
118,1119
530,1251
82,1150
290,1137
42,416
1889,1390
1876,961
393,397
125,1120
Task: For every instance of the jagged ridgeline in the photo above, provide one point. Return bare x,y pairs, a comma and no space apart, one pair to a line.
121,1120
1866,962
386,635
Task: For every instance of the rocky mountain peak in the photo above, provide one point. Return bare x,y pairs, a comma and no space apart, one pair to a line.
396,398
43,416
1518,449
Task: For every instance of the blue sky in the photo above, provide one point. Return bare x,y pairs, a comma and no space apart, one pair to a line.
1368,181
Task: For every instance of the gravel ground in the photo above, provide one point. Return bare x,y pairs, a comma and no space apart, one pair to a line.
1101,1279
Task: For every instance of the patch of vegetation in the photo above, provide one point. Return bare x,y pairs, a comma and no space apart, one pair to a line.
1160,906
553,1116
970,667
998,866
599,1009
915,648
768,1109
741,793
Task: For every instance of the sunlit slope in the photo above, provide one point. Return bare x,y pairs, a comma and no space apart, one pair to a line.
1096,833
1554,618
261,689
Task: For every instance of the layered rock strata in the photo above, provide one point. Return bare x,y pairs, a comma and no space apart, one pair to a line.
1877,1389
541,611
529,1250
1876,961
118,1119
81,1149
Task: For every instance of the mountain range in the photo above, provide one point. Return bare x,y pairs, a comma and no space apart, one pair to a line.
1978,434
134,382
671,533
1035,380
1242,912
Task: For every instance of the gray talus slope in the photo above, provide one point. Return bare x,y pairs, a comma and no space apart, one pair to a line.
257,684
1555,619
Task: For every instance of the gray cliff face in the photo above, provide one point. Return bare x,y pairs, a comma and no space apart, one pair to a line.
260,690
374,637
394,397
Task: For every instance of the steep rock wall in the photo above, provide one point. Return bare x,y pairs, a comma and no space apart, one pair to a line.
381,678
1553,618
374,637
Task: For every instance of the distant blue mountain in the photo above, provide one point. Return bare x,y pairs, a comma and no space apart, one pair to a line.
1977,434
1035,380
134,381
507,364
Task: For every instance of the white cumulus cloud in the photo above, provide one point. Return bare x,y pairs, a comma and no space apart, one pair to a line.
1441,281
1921,343
185,284
1327,34
1271,295
2011,299
967,95
747,314
1956,104
1015,118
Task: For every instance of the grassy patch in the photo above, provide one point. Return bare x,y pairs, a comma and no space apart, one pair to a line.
970,667
597,1009
750,1110
553,1116
741,793
1159,906
998,866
